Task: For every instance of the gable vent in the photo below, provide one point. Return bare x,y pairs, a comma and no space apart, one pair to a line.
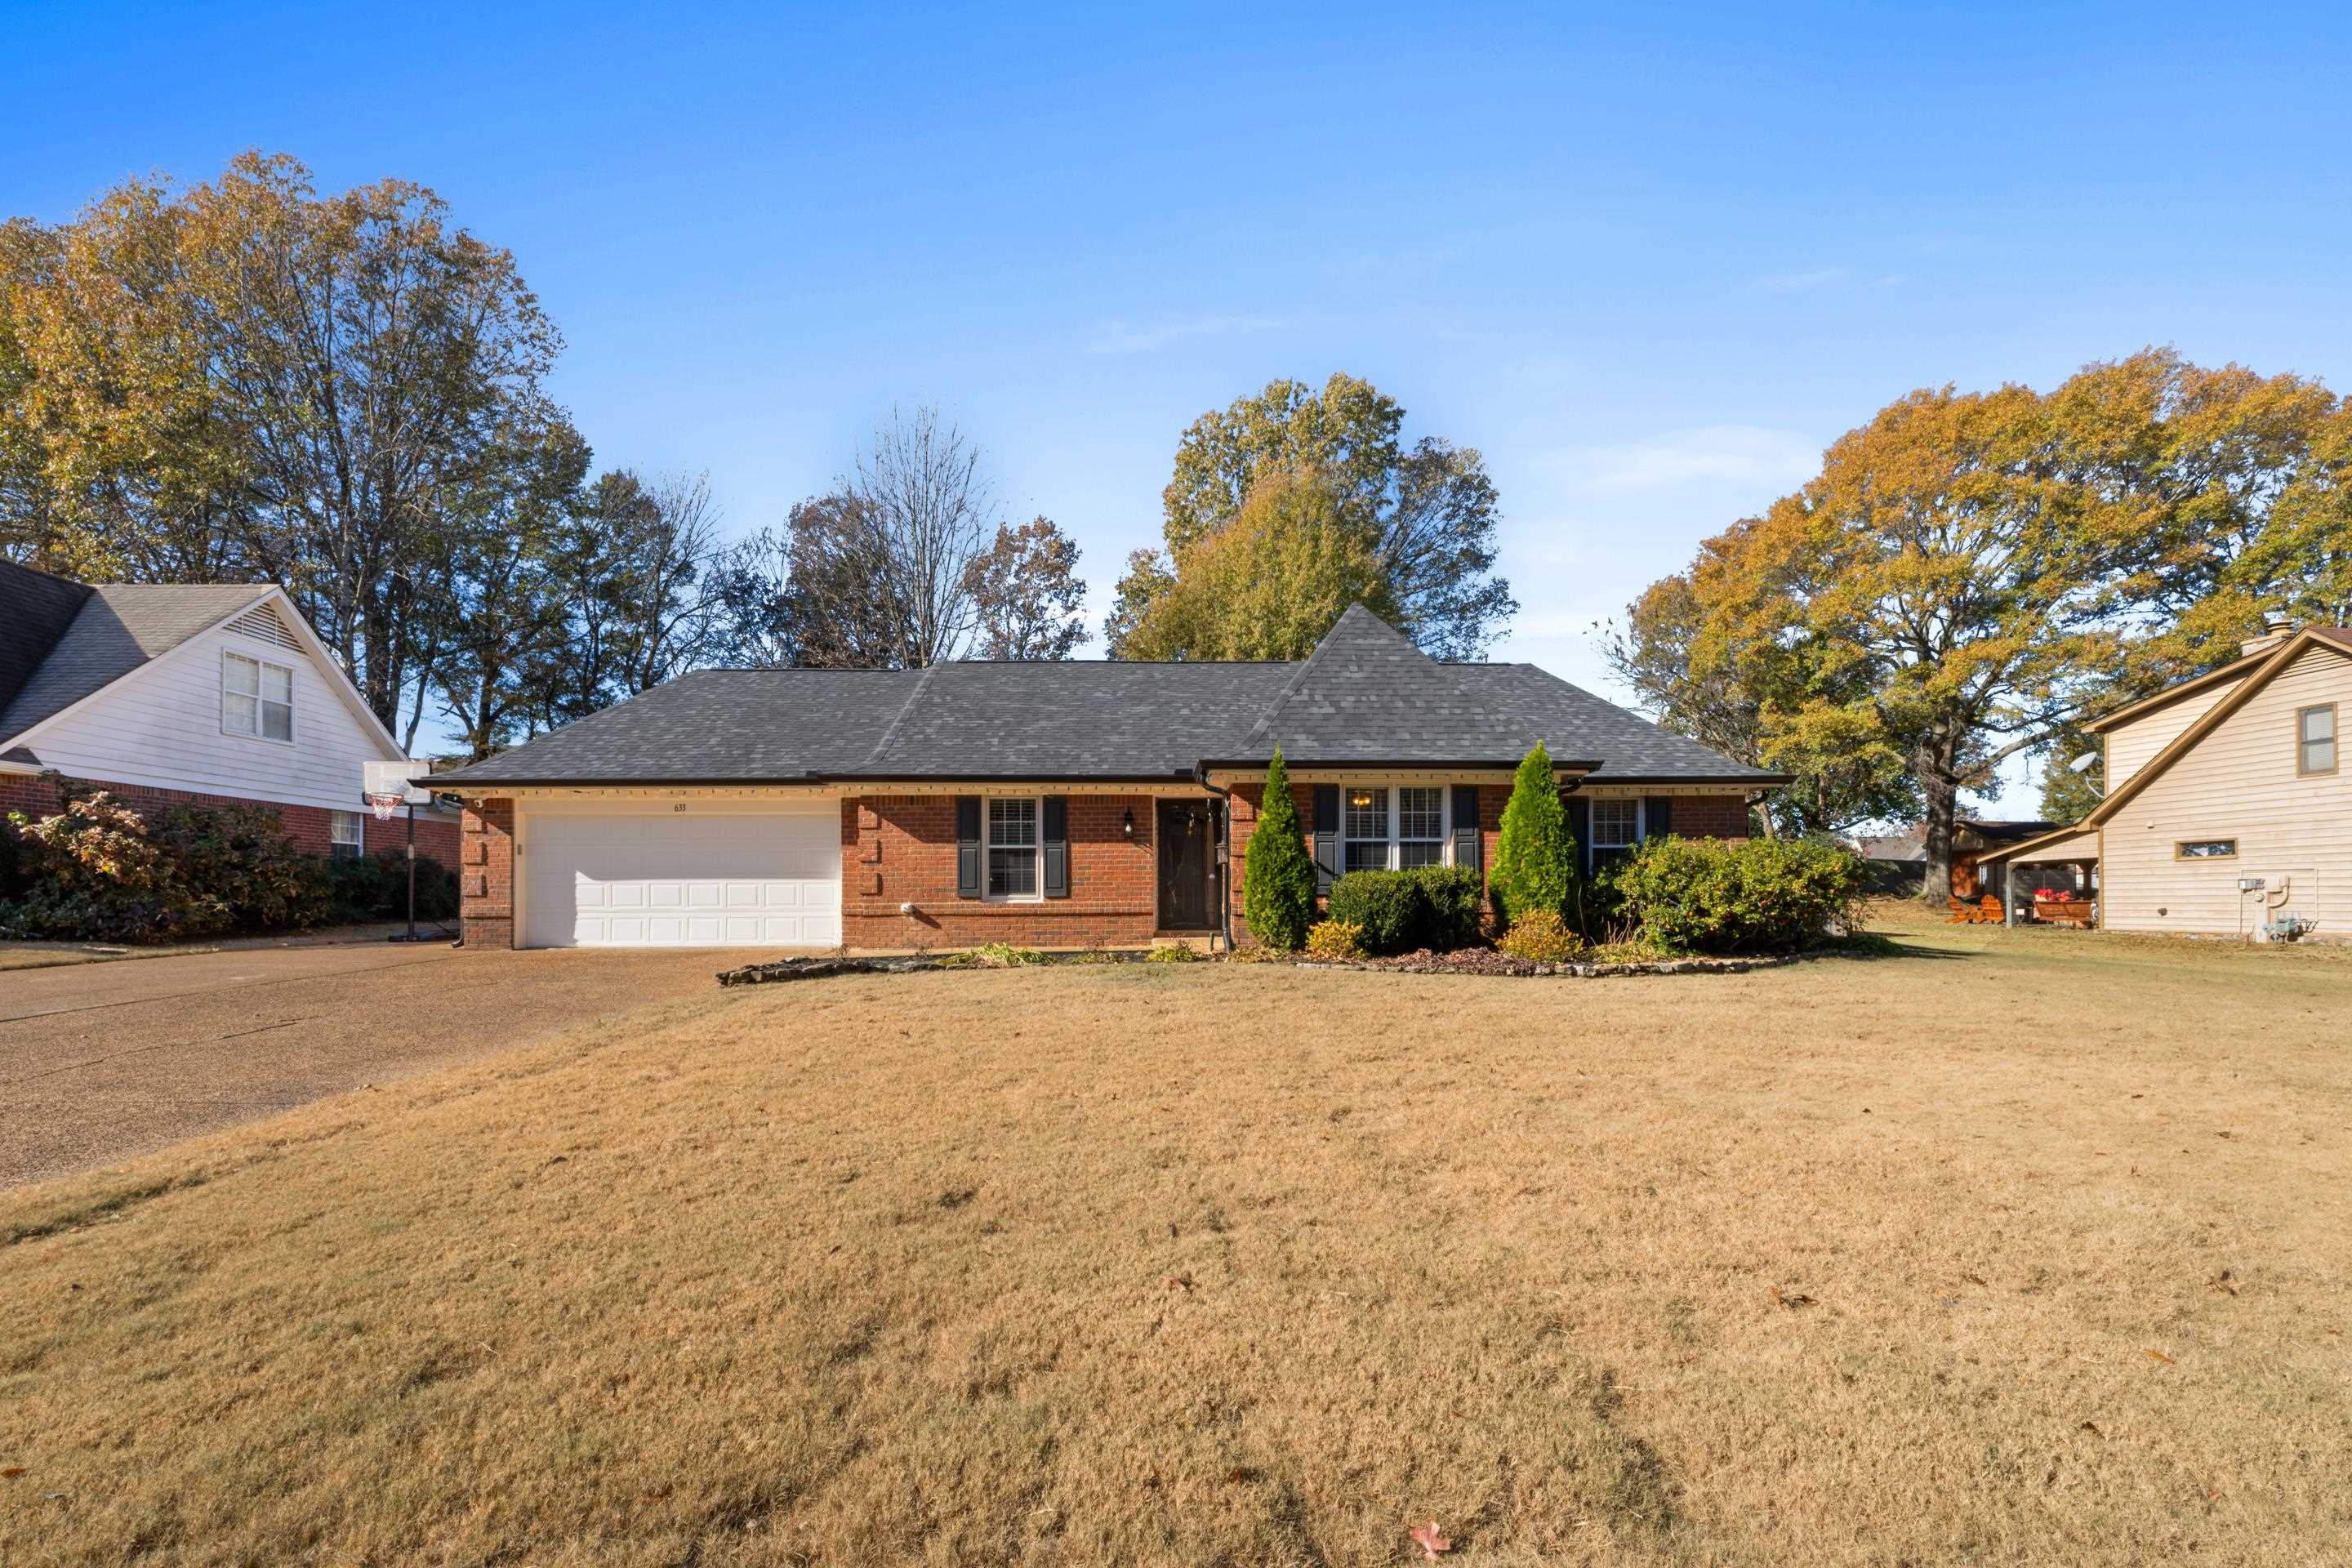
262,622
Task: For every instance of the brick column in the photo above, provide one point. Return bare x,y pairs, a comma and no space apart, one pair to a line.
486,874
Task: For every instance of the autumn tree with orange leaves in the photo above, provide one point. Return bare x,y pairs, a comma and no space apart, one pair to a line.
1971,573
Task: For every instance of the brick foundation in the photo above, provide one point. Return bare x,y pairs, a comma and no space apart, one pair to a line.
307,828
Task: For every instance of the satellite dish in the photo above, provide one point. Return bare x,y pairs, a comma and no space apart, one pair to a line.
2084,764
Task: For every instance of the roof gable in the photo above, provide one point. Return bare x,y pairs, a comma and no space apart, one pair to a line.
119,628
2335,640
1367,694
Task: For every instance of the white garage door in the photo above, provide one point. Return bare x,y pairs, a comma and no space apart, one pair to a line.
682,879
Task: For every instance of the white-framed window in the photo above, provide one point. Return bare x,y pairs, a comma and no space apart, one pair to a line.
1385,827
1364,828
1616,830
257,697
1014,874
1421,826
346,835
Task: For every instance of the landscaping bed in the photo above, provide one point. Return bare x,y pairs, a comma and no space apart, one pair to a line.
1482,961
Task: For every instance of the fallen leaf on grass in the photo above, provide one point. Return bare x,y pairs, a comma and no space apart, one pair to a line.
1791,1301
2221,1282
1425,1536
2158,1355
1178,1282
12,1472
1973,1279
2092,1427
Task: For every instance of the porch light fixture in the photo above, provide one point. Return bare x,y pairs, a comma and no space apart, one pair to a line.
1361,799
1127,822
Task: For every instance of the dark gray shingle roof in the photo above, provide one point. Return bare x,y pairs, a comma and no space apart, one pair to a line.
1367,695
119,627
34,611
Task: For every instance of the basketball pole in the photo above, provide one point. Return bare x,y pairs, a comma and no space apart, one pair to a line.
412,870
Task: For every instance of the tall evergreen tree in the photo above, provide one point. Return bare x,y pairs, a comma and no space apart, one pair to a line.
1277,874
1533,856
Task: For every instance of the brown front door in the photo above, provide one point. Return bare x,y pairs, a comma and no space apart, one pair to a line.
1188,865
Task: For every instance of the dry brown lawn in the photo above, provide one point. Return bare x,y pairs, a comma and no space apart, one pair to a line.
2030,1248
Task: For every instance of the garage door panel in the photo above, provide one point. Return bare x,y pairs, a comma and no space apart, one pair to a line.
625,880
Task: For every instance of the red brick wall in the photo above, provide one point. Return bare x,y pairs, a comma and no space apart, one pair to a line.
899,850
1710,816
486,875
306,828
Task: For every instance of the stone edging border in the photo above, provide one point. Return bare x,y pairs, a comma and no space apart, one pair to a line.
823,968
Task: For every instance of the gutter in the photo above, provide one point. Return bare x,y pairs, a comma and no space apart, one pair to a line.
1224,854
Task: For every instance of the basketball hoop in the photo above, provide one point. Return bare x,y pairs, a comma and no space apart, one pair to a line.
384,805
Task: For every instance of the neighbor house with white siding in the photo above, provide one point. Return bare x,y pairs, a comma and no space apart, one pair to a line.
2226,811
197,693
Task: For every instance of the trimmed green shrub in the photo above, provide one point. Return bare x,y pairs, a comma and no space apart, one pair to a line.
1456,897
1277,873
1335,941
1388,907
1435,906
1540,936
1174,952
1760,895
1535,858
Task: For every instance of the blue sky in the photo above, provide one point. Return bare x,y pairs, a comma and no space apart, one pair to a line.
1649,263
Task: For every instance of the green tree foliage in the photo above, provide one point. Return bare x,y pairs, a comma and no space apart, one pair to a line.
1277,873
1268,584
1535,858
1421,520
2068,795
1970,573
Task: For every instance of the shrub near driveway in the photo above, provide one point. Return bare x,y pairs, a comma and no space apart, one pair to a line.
1760,895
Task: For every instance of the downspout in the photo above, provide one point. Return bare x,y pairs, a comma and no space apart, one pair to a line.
1224,855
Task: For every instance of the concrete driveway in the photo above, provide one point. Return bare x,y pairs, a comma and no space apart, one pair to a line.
101,1061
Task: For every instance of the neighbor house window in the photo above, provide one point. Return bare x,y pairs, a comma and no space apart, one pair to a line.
257,697
1013,849
2315,738
1387,827
346,835
1616,829
1366,828
2206,849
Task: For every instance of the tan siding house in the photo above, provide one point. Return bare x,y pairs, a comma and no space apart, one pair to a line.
2234,821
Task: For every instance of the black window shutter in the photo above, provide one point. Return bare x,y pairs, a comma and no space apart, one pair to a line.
1658,816
1580,828
1466,825
1326,835
968,854
1055,837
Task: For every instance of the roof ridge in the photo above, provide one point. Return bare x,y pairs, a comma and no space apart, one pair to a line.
890,730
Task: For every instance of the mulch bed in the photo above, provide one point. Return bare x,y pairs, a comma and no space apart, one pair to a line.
1486,961
1469,960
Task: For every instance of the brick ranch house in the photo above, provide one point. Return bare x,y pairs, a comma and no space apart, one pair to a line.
196,693
1052,805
